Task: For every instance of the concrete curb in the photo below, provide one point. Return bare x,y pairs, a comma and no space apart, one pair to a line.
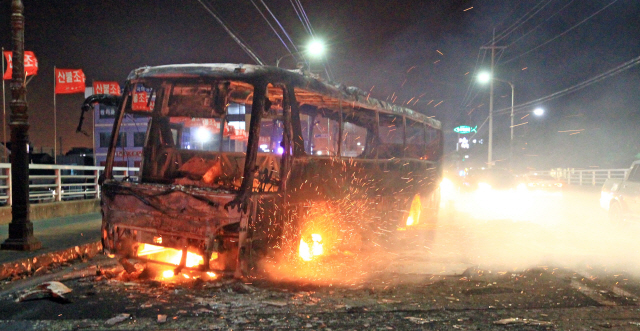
40,211
34,264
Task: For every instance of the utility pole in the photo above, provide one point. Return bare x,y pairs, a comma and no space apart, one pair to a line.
20,229
493,48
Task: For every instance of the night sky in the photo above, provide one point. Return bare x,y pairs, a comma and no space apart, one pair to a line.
397,49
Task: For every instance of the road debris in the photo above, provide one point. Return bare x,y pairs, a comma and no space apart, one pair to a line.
275,303
418,320
51,289
523,321
128,266
117,319
42,263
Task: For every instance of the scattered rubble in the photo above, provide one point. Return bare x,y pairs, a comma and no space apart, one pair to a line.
522,321
53,289
117,319
40,264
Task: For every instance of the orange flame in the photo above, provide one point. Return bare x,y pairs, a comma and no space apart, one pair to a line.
170,255
307,253
414,211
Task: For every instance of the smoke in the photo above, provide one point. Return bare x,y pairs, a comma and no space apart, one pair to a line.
565,229
552,229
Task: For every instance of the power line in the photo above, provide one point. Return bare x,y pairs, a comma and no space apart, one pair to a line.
561,34
237,39
623,67
306,23
537,26
472,83
520,21
280,25
271,26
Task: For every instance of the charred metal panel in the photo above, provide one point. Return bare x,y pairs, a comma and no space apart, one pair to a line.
193,213
317,178
328,94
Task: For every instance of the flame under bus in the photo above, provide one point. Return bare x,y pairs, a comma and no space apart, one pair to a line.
238,158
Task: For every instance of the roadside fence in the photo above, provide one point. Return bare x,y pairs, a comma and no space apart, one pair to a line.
585,177
52,183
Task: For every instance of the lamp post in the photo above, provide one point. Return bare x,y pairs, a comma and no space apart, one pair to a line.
20,229
486,77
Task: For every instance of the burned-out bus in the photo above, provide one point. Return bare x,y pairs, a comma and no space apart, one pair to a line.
238,159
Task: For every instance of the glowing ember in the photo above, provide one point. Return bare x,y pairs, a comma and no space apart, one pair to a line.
211,274
167,274
414,211
307,253
169,255
185,276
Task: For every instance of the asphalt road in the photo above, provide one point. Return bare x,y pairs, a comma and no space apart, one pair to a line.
534,261
77,230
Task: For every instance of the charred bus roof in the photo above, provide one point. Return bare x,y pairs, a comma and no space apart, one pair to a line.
315,90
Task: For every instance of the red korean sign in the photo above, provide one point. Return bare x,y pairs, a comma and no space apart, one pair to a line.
142,98
238,134
69,81
112,88
30,64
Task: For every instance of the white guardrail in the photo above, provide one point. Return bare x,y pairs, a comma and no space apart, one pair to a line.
595,177
51,183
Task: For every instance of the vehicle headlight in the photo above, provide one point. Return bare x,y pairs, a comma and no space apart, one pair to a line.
484,187
447,189
521,187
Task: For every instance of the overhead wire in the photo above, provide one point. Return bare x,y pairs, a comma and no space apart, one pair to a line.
270,25
306,23
280,25
236,38
609,73
513,27
537,26
561,34
472,83
467,99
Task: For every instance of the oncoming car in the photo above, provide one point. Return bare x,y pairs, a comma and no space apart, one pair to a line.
544,182
486,179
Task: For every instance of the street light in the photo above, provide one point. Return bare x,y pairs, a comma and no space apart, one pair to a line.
485,77
315,48
538,111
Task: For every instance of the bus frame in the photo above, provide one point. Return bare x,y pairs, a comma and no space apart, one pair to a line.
257,196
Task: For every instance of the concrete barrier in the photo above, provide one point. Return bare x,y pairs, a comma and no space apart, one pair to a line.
42,211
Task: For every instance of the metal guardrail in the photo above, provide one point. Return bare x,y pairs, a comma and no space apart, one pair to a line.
51,183
595,177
